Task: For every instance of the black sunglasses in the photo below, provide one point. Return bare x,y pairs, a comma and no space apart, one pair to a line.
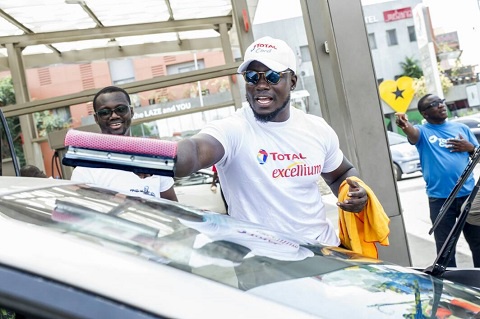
272,77
435,103
120,110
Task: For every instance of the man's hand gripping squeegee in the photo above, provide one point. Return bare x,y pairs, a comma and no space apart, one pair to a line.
134,154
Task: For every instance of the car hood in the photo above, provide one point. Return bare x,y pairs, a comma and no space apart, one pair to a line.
374,291
325,282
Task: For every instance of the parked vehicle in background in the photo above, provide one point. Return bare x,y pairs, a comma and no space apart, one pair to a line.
72,251
195,190
472,121
405,157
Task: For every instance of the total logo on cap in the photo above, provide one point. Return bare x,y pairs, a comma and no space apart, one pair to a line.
276,54
260,47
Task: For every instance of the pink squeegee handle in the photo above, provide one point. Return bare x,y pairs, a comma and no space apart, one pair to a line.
121,144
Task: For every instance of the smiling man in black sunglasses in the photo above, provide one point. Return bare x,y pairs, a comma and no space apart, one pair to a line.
113,112
113,115
444,148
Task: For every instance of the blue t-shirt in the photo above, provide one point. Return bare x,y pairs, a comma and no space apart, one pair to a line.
440,167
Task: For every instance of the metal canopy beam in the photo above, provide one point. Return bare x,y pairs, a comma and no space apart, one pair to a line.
88,55
117,31
10,19
134,87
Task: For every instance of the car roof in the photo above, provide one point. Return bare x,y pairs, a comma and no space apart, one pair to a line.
470,119
395,138
465,117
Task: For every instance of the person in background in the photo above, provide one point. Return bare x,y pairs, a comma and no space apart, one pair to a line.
32,171
269,155
444,149
113,114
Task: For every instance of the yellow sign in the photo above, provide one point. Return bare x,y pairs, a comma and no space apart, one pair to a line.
397,94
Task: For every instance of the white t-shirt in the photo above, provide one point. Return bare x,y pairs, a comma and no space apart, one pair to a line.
123,181
269,172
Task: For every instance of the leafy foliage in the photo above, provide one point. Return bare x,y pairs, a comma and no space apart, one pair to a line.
141,130
7,94
48,122
421,87
410,68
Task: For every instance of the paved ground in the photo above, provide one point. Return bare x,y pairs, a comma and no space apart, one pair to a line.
414,202
417,223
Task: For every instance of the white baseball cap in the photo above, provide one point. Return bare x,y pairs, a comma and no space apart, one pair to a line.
273,53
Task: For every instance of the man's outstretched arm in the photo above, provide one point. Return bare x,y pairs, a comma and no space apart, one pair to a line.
197,152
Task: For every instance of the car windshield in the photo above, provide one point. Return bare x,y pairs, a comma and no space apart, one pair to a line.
281,267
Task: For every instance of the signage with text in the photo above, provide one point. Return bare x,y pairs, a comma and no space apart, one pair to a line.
371,19
144,112
398,14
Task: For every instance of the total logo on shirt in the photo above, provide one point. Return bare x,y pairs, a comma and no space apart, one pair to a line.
295,167
263,155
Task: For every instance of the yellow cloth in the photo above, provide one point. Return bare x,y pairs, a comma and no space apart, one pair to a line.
360,231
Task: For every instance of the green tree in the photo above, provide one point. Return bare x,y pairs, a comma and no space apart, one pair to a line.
7,97
141,130
421,87
410,68
7,94
47,122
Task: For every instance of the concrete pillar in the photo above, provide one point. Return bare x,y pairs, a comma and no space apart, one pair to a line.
32,151
346,84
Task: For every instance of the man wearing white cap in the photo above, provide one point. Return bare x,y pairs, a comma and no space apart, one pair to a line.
269,156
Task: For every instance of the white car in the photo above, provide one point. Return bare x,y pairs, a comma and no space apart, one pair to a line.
405,157
196,190
472,121
70,250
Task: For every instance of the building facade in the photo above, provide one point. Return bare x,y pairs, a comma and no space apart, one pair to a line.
391,35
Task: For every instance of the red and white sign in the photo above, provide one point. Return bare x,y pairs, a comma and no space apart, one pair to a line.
398,14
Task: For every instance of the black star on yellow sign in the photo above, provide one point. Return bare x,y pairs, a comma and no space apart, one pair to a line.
398,93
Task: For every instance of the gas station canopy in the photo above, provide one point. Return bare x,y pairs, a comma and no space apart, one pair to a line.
39,33
58,26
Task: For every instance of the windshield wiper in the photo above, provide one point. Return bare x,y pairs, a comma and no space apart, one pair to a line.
446,252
